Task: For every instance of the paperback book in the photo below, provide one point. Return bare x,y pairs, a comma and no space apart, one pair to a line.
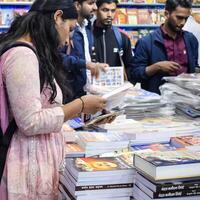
83,168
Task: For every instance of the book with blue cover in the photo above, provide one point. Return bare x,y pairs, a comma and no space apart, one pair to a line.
163,146
165,165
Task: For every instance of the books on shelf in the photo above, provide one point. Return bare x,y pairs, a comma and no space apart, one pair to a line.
196,14
121,16
139,16
144,16
132,15
16,1
7,15
163,165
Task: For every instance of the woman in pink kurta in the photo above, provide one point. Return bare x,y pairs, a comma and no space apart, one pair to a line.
36,149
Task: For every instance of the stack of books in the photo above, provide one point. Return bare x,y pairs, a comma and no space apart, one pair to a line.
147,188
183,91
73,150
140,103
169,175
97,178
150,130
96,143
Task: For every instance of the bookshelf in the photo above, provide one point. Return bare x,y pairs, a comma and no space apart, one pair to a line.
138,18
16,3
8,10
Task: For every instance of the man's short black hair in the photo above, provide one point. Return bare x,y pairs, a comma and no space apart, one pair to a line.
80,1
100,2
171,5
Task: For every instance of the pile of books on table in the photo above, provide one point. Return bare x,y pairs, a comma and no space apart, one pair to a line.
97,143
150,130
167,171
140,103
147,188
97,178
183,91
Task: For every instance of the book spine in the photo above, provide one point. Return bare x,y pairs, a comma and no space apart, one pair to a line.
177,187
181,193
103,187
67,192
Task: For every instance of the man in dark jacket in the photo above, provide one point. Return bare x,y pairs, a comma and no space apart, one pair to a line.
107,45
168,51
79,57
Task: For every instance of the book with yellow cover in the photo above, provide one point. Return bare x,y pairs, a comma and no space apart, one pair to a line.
84,168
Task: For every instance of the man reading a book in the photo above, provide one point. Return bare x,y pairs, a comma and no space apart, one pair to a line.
168,51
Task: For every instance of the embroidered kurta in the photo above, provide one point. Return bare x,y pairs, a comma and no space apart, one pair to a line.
36,150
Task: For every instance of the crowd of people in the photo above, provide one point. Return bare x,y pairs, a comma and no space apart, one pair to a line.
45,78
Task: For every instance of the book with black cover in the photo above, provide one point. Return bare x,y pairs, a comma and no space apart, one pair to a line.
169,186
167,194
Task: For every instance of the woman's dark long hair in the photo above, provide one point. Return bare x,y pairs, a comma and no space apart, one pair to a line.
41,28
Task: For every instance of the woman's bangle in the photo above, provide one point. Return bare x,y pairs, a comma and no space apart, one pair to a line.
83,104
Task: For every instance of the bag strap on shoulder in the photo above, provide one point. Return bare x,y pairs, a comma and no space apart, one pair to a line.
17,44
118,37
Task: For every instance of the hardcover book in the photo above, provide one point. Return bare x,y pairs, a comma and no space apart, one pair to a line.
165,165
167,194
170,185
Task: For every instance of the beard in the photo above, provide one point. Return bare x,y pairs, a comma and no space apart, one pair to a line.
107,22
87,16
173,27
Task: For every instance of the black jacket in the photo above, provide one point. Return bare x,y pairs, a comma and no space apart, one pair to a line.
106,48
